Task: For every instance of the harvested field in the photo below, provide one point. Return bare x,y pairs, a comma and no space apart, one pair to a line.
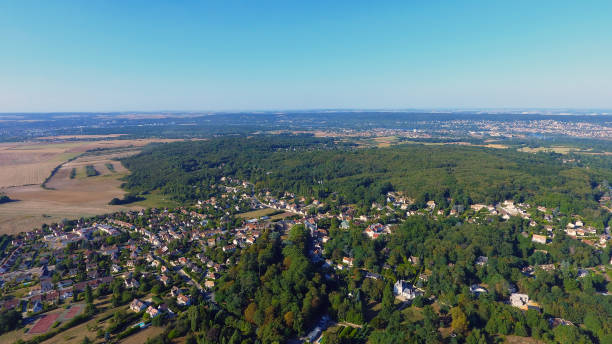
386,141
23,166
65,198
554,149
26,163
79,137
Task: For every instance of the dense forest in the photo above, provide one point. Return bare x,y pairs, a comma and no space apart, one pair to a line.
322,168
275,292
448,250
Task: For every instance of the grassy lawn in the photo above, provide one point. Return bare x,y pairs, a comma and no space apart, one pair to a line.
156,200
281,216
372,310
142,336
521,340
412,314
255,214
76,334
12,336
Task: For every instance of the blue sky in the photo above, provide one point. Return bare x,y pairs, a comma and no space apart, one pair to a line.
226,55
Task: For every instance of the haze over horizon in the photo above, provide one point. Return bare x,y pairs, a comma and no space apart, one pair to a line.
146,56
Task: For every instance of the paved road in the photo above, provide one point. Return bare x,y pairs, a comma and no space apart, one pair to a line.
182,272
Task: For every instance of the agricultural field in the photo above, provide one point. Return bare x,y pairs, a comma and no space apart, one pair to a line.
22,164
555,149
28,163
386,141
67,194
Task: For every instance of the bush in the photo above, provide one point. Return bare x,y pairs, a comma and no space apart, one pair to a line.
129,198
91,171
130,331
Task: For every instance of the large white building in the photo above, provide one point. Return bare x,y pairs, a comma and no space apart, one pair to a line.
405,291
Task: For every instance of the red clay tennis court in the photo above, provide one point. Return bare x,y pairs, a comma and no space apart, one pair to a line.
44,324
72,312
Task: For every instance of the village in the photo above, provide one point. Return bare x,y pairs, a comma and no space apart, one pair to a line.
158,261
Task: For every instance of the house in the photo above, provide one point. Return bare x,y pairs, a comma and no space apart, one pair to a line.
477,207
540,239
109,251
229,248
108,229
11,304
547,267
344,224
583,273
477,289
348,261
522,301
373,275
52,296
137,306
405,291
36,307
131,283
64,284
66,294
209,284
554,322
152,311
519,300
482,260
46,285
374,230
183,300
175,291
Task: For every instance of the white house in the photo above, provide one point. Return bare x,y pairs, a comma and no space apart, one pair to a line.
137,306
405,291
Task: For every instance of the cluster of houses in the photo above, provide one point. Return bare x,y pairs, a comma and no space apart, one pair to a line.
211,226
375,230
139,306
